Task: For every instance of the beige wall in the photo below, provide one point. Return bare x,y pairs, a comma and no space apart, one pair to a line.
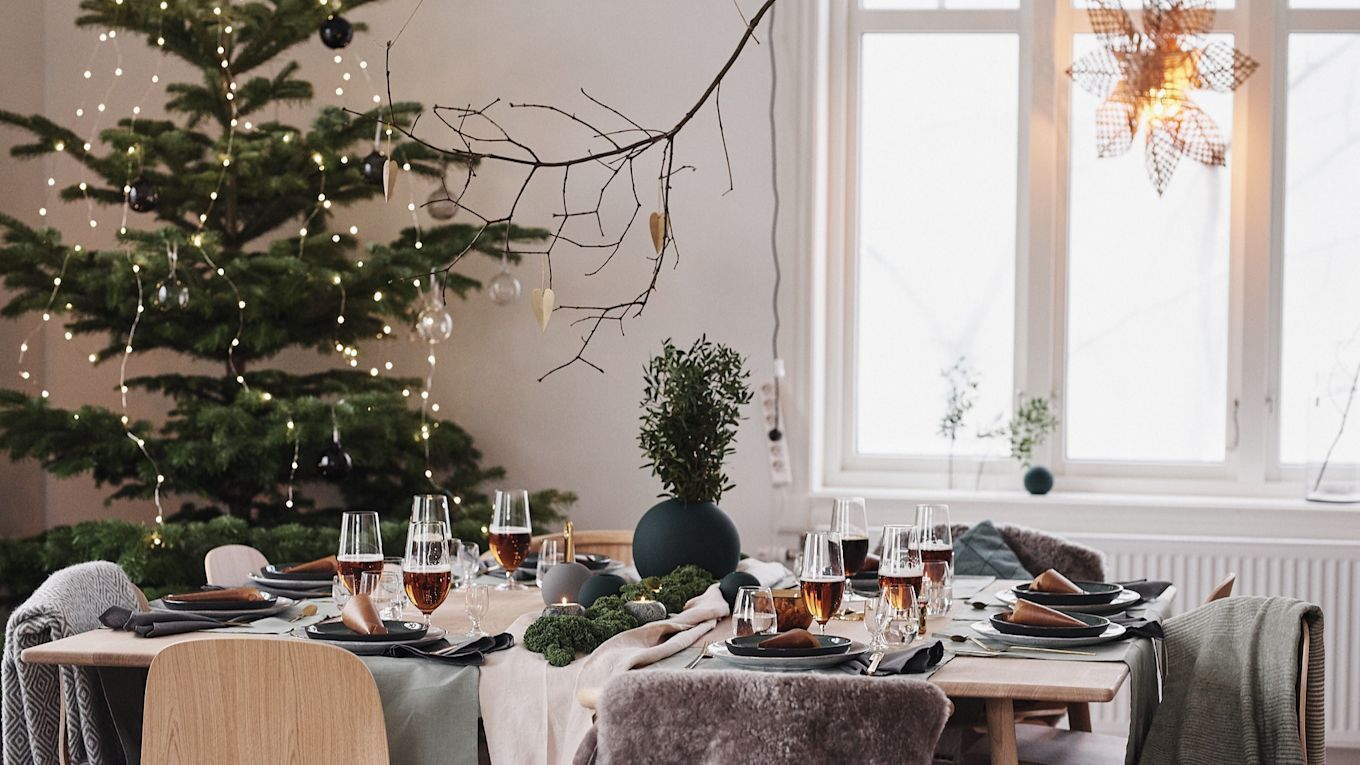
577,430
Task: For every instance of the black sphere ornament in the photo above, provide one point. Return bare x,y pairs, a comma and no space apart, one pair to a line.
336,33
335,463
1039,480
372,167
142,196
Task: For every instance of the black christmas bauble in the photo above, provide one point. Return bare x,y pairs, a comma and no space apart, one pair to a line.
142,195
336,32
335,463
372,167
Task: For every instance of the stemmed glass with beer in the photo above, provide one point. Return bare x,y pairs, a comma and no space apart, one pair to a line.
848,519
900,569
509,533
427,570
822,578
937,547
360,547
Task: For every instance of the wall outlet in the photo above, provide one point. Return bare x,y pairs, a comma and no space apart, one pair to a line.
777,448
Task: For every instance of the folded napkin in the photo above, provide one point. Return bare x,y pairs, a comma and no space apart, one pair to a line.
156,623
326,565
1139,627
909,661
471,654
1052,581
1149,589
362,616
225,593
791,639
1035,615
768,573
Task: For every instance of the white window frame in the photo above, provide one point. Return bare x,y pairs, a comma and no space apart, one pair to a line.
1045,30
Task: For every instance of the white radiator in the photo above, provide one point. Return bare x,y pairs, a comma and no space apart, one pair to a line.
1323,572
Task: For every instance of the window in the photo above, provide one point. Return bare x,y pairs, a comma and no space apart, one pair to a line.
1182,337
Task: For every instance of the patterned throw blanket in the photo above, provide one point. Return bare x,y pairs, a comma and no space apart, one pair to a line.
1231,692
69,602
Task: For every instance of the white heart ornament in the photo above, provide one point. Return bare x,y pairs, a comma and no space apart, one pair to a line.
389,179
543,302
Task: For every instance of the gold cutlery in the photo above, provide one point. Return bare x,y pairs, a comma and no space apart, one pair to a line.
307,610
704,654
873,663
1007,648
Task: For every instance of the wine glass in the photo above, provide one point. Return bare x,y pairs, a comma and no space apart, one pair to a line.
476,601
896,620
822,578
510,531
360,546
433,508
848,519
753,612
427,569
937,544
549,555
470,561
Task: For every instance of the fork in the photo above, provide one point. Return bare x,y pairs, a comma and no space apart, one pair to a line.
1007,648
704,654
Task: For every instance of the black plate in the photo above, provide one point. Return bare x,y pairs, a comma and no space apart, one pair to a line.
593,562
220,605
1095,593
1094,626
276,571
749,645
337,630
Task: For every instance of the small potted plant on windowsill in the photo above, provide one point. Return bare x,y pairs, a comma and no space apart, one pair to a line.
1027,430
691,405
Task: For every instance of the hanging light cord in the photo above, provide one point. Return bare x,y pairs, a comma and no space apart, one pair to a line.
774,223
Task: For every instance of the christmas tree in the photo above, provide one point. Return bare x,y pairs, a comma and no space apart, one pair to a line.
239,259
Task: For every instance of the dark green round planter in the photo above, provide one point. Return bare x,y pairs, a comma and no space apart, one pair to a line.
1038,480
674,533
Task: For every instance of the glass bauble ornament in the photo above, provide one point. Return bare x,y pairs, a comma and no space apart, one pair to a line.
503,289
336,32
372,167
142,196
334,463
163,297
182,296
439,206
434,324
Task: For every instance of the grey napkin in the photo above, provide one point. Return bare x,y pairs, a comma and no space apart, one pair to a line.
909,661
156,623
1146,588
471,654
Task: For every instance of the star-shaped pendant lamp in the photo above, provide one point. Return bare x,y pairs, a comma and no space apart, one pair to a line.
1147,77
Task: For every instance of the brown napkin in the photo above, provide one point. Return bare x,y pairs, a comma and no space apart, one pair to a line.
1052,581
791,639
212,596
326,565
1036,615
361,616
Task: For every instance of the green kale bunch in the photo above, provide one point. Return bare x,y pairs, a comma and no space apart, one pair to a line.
560,638
673,590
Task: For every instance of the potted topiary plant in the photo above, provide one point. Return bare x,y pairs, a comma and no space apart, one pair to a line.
691,405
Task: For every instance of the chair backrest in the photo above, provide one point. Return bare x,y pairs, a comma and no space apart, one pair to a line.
616,543
246,701
1039,551
714,718
1223,590
232,565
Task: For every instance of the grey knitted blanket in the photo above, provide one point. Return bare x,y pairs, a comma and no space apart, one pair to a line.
1231,693
69,602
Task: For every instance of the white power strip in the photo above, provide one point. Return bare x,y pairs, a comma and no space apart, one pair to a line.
778,448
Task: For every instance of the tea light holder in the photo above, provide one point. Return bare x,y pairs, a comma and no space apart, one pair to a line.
564,609
645,610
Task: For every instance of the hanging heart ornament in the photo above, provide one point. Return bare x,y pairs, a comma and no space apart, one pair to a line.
657,223
389,178
543,302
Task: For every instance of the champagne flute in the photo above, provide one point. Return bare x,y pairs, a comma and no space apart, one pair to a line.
510,531
360,546
753,612
549,555
476,601
822,578
427,570
431,508
848,519
937,544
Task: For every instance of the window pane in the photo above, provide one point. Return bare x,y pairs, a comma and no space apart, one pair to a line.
1137,5
937,174
1324,3
1321,229
944,5
1147,302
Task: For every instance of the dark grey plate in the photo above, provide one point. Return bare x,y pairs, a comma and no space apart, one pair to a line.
1095,625
749,645
1094,593
276,571
396,632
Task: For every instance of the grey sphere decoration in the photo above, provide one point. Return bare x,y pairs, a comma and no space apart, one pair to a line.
439,206
599,586
734,581
562,583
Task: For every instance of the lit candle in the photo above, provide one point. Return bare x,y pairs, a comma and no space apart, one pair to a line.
564,609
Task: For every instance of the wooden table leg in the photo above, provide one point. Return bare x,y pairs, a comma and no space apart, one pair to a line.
1079,716
1001,731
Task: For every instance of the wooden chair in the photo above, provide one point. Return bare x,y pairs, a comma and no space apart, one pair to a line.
249,700
232,565
616,543
1224,589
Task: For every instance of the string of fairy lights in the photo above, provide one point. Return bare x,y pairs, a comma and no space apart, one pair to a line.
433,325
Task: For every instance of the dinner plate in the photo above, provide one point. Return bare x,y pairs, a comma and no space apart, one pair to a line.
397,632
277,573
1093,593
1091,625
1124,600
278,605
1112,632
749,645
435,634
785,663
291,584
266,601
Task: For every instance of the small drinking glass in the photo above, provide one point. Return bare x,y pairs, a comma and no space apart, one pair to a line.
549,555
896,625
427,571
470,560
939,587
872,624
753,612
339,591
391,593
822,578
476,601
509,533
360,546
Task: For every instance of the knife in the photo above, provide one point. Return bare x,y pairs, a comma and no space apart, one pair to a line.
873,663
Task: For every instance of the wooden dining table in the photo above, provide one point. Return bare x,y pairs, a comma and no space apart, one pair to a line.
998,682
